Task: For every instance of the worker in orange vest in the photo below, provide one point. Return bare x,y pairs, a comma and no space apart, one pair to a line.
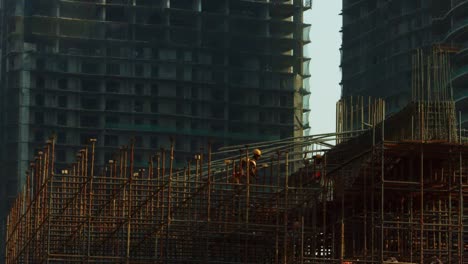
256,154
241,173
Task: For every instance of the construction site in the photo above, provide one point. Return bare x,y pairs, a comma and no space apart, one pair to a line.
380,189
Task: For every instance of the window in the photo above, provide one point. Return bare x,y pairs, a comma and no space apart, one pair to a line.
285,118
194,92
139,89
40,82
113,68
39,135
138,52
112,120
154,71
154,107
179,91
138,121
139,70
90,67
138,158
180,109
111,140
61,119
62,138
62,65
154,142
40,64
62,101
89,103
179,125
194,110
112,87
61,155
39,118
193,145
138,141
116,13
138,106
89,121
89,85
112,105
62,84
39,99
154,90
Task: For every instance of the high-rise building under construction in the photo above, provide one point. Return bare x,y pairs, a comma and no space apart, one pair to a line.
380,37
224,71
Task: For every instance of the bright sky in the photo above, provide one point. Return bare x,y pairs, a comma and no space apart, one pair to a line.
325,60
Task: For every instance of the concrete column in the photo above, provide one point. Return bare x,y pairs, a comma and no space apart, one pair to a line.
197,5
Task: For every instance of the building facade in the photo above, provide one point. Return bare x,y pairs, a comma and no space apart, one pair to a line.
226,71
380,36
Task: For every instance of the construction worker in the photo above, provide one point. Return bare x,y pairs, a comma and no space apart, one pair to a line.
317,167
256,154
241,173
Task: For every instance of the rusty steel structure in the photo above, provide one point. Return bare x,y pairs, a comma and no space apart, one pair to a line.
391,192
160,214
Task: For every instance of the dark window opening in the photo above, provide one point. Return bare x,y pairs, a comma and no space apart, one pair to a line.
194,110
154,90
138,121
179,91
112,87
180,109
182,4
139,70
62,65
61,155
63,84
194,93
116,13
111,140
40,82
89,103
39,118
139,89
39,99
154,71
89,86
113,68
138,141
112,105
155,18
138,106
217,111
90,67
154,107
112,120
40,64
212,6
89,121
62,101
61,119
39,136
154,142
62,138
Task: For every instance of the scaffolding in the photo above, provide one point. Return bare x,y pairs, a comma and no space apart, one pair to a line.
160,214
